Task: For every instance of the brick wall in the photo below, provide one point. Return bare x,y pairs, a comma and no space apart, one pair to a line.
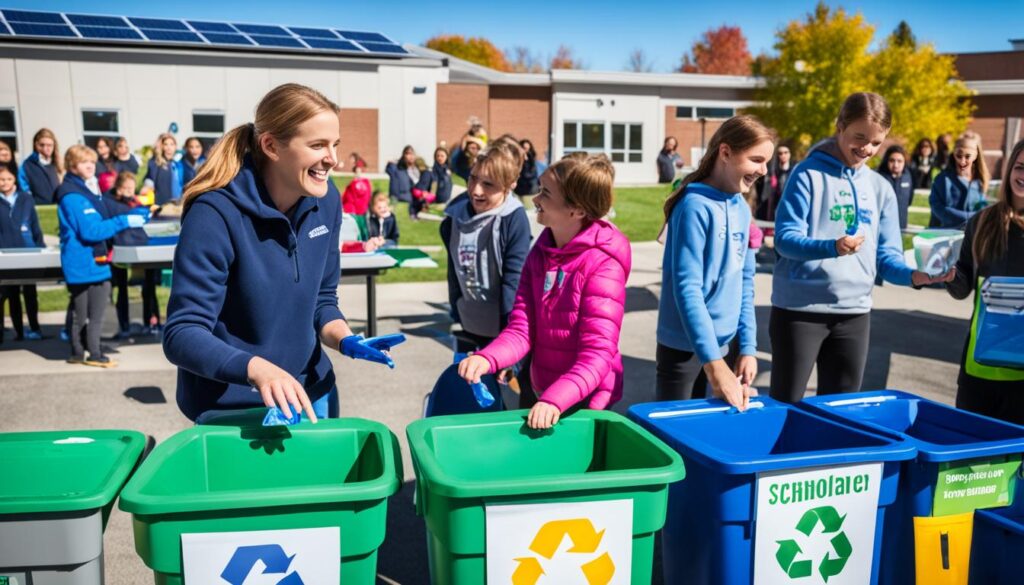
524,112
359,134
993,135
456,104
687,132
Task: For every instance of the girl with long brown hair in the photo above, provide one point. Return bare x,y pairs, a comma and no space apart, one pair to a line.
707,296
256,268
42,169
993,246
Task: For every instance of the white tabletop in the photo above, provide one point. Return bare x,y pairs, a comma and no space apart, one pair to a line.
366,260
29,258
143,254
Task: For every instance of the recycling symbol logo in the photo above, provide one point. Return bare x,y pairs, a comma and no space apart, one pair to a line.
789,554
586,540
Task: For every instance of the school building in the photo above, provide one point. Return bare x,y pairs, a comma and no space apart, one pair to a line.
86,76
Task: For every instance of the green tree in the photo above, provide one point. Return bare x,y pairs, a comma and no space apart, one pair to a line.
473,49
820,60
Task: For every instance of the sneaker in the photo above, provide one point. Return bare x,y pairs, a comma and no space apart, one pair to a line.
33,335
122,335
100,362
76,359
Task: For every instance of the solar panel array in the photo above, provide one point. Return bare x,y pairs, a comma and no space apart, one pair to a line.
192,33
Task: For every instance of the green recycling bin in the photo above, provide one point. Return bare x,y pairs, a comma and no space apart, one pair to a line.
55,497
308,503
577,503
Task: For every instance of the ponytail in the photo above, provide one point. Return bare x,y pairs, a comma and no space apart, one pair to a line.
739,133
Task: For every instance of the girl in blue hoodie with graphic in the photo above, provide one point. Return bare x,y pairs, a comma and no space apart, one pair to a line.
165,176
256,267
837,227
707,296
85,227
959,190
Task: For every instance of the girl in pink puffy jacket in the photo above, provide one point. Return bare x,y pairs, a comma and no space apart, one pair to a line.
571,298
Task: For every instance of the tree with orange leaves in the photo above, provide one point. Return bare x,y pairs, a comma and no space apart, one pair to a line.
473,49
720,51
565,59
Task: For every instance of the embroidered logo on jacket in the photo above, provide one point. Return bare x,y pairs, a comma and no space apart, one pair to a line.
318,231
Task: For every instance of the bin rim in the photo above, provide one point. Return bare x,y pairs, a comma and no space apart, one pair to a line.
725,463
993,516
926,450
429,471
134,444
134,501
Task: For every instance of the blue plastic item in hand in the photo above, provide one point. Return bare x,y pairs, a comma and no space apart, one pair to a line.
481,394
372,349
141,210
276,418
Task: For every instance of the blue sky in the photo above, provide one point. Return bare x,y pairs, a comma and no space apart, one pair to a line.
602,33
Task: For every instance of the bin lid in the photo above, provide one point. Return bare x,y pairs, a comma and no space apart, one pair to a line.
496,454
940,432
1009,518
208,468
769,436
65,471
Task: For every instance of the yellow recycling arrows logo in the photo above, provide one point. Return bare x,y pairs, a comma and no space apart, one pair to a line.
585,540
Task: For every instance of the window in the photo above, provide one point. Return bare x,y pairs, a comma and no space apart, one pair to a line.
698,112
627,143
208,127
583,136
97,123
8,131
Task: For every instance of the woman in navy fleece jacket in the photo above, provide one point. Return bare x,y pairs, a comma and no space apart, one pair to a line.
256,268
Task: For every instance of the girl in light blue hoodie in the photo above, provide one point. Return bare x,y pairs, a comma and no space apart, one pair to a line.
837,228
707,292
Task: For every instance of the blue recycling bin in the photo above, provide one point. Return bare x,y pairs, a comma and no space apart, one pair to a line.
767,487
947,440
997,550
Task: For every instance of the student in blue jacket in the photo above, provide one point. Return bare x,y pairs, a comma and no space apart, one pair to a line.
707,295
164,175
18,211
40,172
403,175
441,173
124,160
192,159
958,192
895,171
85,227
120,200
257,264
837,227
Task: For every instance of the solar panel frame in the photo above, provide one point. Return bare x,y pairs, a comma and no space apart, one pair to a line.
266,30
360,36
33,16
386,48
332,45
95,20
173,36
234,40
109,32
276,41
141,30
159,24
213,27
313,33
34,29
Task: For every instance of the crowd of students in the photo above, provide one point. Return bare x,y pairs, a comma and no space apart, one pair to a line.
547,312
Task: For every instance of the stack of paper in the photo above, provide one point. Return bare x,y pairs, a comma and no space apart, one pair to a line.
1003,294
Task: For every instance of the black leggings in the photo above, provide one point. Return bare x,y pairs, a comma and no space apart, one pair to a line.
150,306
838,344
9,293
680,375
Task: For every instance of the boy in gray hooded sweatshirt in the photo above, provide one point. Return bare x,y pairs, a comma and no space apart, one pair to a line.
837,228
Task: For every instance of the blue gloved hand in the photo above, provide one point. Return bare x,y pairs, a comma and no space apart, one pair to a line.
141,210
481,394
276,418
372,349
135,220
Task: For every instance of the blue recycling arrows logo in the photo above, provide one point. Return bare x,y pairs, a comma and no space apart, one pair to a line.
274,559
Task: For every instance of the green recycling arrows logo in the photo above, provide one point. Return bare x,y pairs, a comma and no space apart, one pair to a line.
830,566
